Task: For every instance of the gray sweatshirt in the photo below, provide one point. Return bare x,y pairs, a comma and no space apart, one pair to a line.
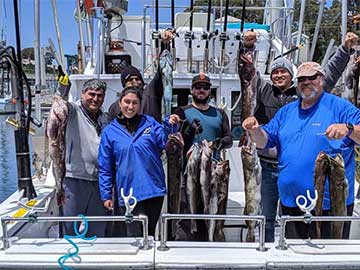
82,142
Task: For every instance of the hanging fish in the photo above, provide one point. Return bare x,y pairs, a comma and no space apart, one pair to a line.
222,172
322,166
55,133
166,67
338,193
174,153
249,156
205,174
192,182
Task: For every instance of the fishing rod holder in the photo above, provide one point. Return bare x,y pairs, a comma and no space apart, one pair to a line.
145,244
166,217
156,35
238,36
189,35
209,35
282,245
224,36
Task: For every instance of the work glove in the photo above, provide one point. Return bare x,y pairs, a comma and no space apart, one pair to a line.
195,126
64,84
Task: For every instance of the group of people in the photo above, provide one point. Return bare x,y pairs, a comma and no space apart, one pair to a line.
291,125
121,148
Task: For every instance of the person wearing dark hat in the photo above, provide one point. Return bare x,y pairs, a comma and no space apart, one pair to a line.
79,124
317,126
152,93
201,122
269,99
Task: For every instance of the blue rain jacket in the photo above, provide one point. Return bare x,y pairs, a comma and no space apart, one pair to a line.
133,160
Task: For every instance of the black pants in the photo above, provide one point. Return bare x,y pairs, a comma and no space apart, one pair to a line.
301,230
151,208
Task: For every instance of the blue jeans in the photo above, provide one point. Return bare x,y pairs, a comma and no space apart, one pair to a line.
269,197
83,197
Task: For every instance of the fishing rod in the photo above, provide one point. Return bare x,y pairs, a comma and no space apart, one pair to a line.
224,36
173,49
21,133
206,36
156,35
189,36
240,36
297,47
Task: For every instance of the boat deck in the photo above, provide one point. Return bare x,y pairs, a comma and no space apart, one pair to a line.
125,253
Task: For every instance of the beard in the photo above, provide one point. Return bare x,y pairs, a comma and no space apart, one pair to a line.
313,93
200,100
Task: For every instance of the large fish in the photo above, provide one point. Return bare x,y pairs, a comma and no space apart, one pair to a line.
166,67
192,182
352,73
222,172
249,157
252,178
55,133
205,174
174,152
213,203
338,194
322,167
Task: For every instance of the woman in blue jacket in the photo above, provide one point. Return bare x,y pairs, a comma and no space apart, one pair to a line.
129,153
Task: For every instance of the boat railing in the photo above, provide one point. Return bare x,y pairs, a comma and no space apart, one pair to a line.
166,217
34,219
307,219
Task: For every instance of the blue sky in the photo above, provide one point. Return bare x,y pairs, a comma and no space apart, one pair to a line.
68,25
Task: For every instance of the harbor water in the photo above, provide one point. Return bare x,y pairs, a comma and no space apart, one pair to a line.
8,171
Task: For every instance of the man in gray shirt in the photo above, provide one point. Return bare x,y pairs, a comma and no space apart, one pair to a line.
78,192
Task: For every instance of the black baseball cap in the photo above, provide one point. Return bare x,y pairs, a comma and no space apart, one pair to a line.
201,78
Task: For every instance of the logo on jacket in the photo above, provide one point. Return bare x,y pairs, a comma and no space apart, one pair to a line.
147,130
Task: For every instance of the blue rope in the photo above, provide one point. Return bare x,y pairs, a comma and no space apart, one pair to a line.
62,259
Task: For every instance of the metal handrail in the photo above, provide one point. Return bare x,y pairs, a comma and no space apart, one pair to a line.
307,219
142,218
165,217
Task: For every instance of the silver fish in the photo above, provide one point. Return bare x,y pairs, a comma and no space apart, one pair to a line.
55,133
222,171
166,67
205,174
213,204
252,178
192,182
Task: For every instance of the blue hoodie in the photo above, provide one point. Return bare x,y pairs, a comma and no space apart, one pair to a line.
133,160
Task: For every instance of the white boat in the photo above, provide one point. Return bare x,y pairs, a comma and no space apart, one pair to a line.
29,234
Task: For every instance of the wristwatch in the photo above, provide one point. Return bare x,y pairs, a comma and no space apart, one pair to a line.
350,128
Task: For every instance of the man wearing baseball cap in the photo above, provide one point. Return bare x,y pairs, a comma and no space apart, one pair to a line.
201,122
270,98
316,122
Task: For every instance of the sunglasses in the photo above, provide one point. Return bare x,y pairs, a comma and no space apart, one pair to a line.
203,86
310,78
